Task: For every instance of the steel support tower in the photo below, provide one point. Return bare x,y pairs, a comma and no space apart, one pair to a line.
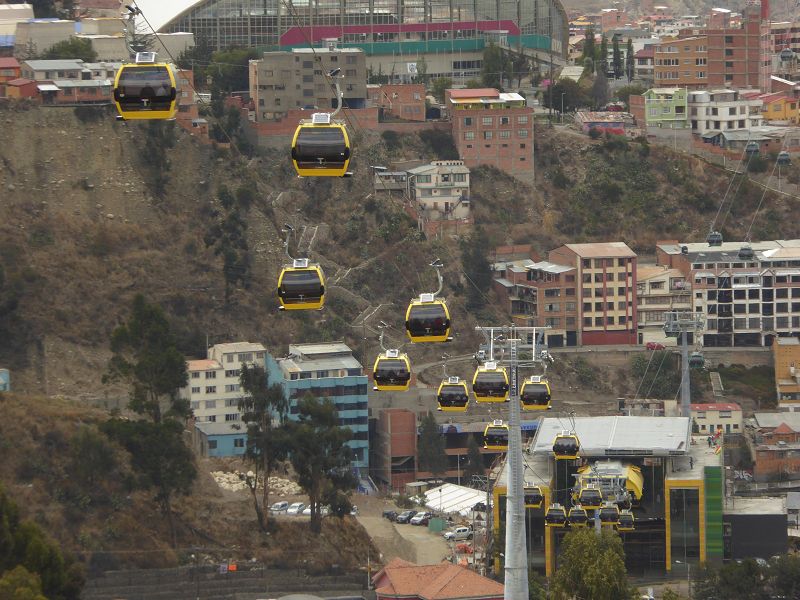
516,553
679,324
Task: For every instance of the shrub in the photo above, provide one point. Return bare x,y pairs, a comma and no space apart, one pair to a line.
391,139
595,133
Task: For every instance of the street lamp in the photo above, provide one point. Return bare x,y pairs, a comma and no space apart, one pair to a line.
562,107
688,576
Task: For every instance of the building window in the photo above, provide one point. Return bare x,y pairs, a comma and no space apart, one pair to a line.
195,404
233,387
211,389
232,373
487,135
211,404
505,134
195,375
212,444
469,135
487,120
195,390
523,133
232,417
467,121
522,120
505,120
239,442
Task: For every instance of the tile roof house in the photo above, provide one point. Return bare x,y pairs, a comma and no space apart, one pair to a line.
445,581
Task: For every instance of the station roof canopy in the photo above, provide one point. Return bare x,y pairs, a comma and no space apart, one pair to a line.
619,436
450,498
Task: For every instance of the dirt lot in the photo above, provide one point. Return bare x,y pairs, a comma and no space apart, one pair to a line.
409,542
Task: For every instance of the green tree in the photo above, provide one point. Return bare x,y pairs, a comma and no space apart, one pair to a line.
91,456
422,71
71,48
602,56
145,355
23,543
616,58
600,89
589,56
536,586
495,66
742,581
574,96
261,406
159,138
474,464
230,68
430,446
320,455
438,87
784,575
160,458
630,70
670,594
520,67
198,59
21,584
229,239
473,84
474,251
591,566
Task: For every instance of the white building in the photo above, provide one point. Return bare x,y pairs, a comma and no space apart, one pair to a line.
659,290
721,110
441,189
214,390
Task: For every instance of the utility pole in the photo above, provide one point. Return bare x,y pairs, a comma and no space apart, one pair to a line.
679,324
516,555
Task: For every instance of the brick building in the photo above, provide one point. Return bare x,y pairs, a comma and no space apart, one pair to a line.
741,57
401,101
681,62
658,291
786,354
394,448
492,128
775,445
606,300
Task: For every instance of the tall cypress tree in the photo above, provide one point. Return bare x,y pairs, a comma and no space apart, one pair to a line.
588,47
629,60
616,57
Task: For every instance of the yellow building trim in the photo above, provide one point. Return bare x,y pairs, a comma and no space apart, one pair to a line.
675,484
549,546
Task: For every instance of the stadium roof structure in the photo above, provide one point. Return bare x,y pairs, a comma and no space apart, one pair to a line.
618,435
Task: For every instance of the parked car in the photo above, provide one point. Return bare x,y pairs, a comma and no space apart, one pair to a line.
279,507
324,511
390,514
459,533
421,518
654,346
296,508
405,516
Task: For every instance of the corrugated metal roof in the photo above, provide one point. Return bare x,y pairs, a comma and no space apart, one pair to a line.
450,498
619,436
231,428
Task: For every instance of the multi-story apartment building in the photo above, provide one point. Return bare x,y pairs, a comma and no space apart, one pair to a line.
606,281
281,81
492,128
786,355
214,390
645,64
681,62
740,57
746,301
723,109
541,293
327,370
441,189
659,290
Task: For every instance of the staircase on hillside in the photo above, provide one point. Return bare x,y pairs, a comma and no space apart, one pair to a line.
716,384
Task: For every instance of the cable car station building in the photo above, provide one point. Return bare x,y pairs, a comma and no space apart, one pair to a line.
674,483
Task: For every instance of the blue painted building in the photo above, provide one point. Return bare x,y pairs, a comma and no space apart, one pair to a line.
220,439
327,370
5,380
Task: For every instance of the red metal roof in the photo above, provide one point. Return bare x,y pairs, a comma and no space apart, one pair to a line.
445,581
648,51
9,63
20,81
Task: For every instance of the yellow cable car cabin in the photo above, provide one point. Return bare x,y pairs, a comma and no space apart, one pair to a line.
495,436
556,516
609,514
392,372
145,89
490,383
535,393
453,395
578,517
590,498
427,320
301,286
533,496
626,520
321,148
566,446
